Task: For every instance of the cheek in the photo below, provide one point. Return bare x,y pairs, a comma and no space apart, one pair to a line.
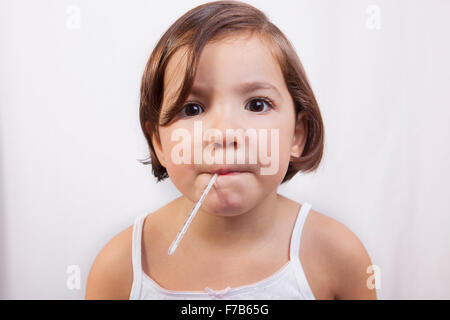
277,147
176,168
182,174
174,140
285,147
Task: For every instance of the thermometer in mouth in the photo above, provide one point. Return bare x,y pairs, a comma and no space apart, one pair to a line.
191,216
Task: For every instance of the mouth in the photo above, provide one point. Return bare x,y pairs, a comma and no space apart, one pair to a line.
227,172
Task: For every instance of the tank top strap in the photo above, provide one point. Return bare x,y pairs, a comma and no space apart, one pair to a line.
136,256
294,253
294,250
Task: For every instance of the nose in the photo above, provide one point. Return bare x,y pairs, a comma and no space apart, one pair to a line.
226,126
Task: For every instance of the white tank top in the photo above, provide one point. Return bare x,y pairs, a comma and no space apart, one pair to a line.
288,283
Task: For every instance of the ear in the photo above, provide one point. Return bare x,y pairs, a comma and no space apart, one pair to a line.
156,145
300,134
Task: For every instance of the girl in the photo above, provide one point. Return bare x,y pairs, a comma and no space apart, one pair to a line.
225,66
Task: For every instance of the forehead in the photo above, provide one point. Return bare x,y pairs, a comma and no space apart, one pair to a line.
224,63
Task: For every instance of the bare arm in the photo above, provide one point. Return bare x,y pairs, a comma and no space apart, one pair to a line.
111,274
350,261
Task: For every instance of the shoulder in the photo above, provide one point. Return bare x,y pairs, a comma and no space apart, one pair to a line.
111,274
342,255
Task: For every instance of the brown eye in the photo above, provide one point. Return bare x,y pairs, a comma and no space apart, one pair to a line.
191,109
258,105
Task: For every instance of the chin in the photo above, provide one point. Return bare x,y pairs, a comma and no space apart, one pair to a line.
226,206
228,212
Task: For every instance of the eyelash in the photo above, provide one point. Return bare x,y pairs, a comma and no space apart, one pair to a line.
263,98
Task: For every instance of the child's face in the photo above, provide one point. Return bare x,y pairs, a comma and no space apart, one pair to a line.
221,103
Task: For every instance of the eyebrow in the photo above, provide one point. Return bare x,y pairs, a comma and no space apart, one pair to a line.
245,87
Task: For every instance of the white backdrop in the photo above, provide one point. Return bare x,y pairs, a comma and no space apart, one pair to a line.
69,94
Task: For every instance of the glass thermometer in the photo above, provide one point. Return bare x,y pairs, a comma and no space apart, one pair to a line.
191,216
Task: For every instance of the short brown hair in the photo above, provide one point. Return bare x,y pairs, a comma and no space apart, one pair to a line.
192,31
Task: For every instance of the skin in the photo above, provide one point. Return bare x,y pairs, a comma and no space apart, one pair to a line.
236,237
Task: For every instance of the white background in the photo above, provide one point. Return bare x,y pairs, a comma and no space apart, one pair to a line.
70,133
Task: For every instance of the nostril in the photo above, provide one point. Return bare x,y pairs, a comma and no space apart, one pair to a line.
216,145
